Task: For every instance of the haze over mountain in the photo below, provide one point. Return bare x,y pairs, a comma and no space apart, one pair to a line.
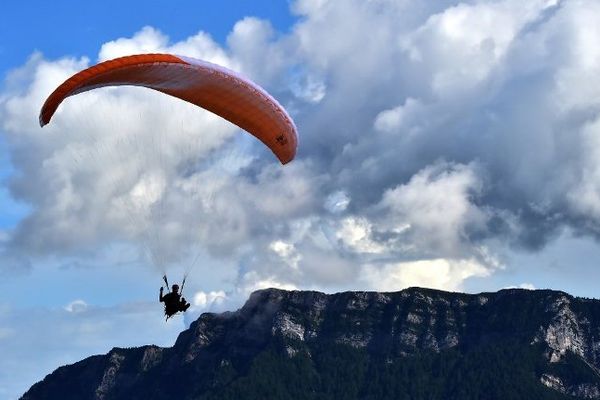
412,344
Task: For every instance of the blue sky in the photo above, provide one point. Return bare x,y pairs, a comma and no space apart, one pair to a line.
444,144
62,28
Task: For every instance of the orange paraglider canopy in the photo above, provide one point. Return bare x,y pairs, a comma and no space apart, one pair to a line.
206,85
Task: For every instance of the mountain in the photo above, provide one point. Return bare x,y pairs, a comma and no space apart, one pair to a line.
413,344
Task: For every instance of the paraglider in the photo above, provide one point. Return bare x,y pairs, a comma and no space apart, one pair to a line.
174,300
209,86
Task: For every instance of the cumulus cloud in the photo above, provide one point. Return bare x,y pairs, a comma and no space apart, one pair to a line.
436,208
210,301
431,135
436,273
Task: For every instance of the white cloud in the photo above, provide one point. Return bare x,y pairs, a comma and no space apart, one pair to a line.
396,118
150,40
251,281
356,234
528,286
435,208
207,301
308,87
436,273
287,252
463,44
253,42
76,306
147,40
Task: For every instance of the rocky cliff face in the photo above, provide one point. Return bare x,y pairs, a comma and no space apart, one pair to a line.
416,343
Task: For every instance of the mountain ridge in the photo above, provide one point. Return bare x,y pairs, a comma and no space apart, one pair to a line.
415,343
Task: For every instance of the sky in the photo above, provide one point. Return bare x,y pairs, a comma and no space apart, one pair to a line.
443,144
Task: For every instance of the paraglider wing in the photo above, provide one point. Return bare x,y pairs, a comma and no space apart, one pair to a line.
207,85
